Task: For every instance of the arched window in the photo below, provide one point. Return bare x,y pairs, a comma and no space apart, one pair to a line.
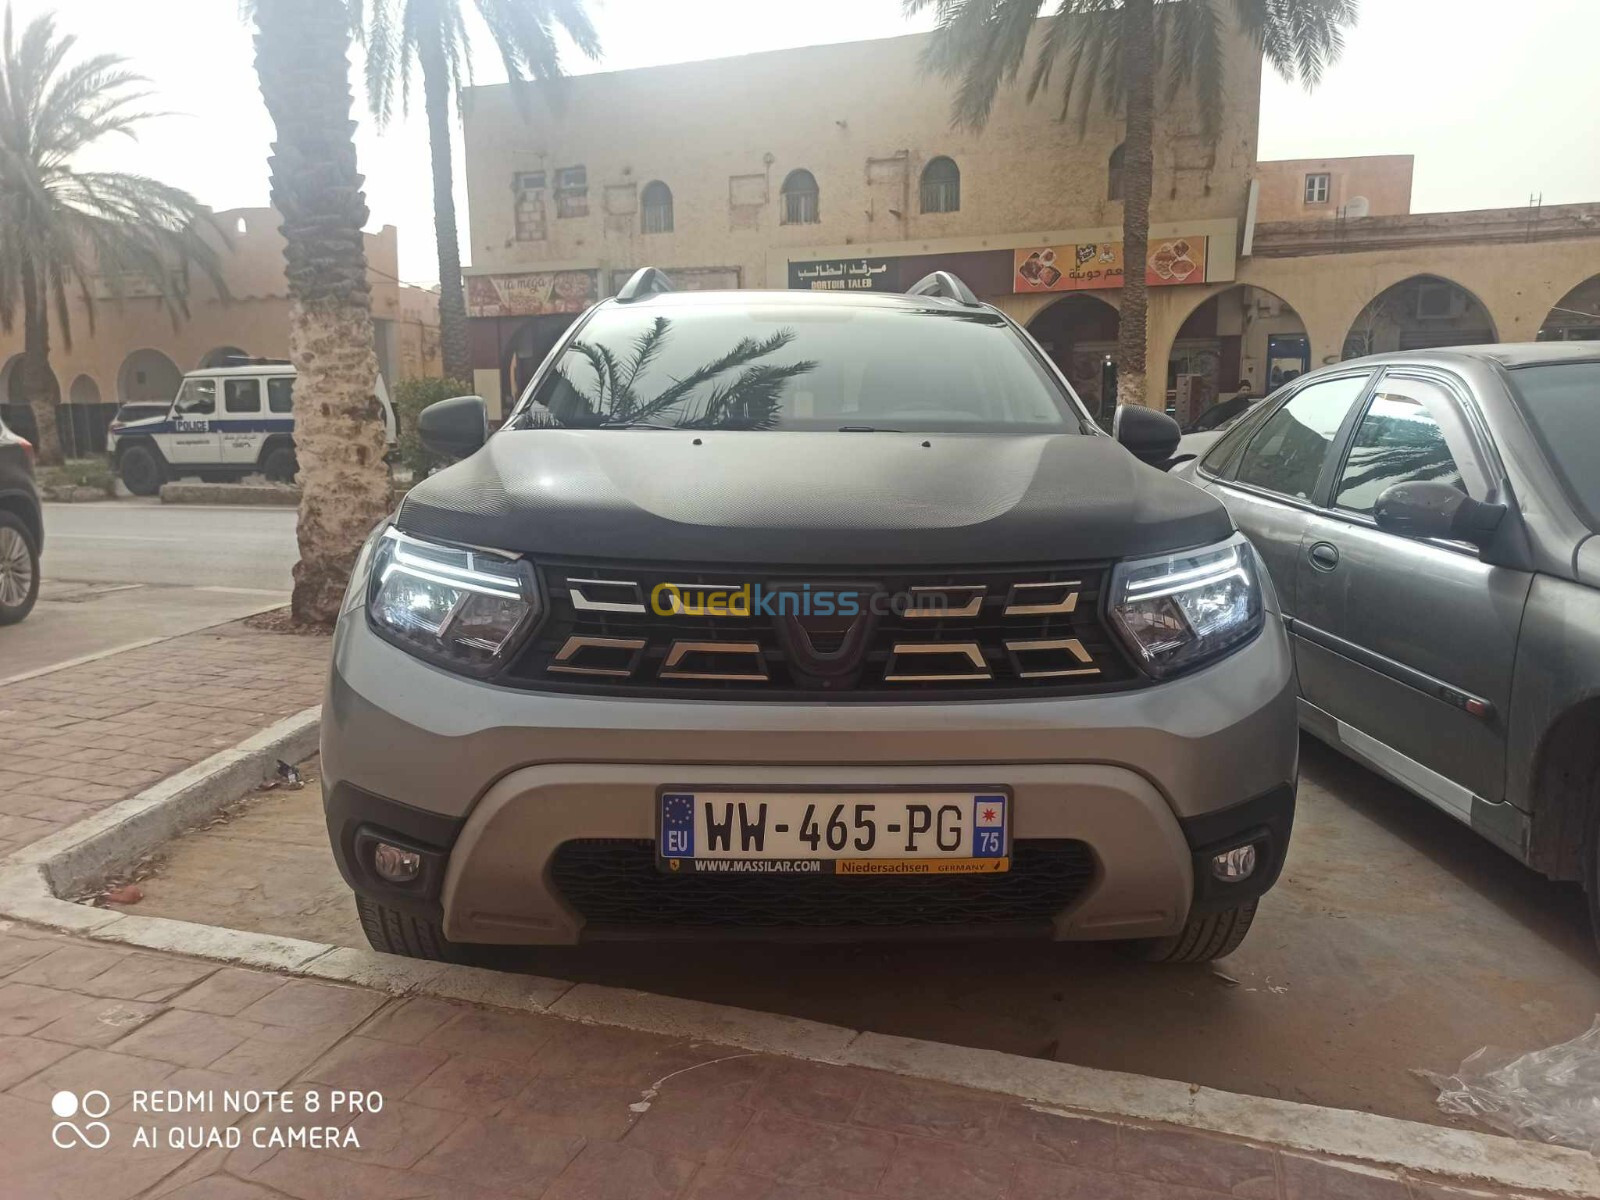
656,207
941,186
1114,174
800,197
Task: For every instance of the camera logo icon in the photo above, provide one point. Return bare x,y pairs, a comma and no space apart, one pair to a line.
93,1133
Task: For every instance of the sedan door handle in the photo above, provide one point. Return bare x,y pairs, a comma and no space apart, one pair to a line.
1324,556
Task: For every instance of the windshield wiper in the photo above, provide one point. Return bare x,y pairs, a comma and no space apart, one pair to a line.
867,429
626,425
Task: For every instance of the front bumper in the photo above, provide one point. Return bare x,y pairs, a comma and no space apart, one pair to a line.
489,782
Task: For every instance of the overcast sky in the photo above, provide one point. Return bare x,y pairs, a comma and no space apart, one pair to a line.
1497,100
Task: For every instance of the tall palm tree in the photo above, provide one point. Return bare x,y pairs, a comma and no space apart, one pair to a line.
432,34
1116,53
302,49
62,230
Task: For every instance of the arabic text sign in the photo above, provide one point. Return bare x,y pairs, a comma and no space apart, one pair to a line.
531,295
1091,265
845,275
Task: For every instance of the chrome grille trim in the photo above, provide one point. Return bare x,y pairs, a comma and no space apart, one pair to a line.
1042,608
1071,645
974,593
971,651
682,649
561,660
583,603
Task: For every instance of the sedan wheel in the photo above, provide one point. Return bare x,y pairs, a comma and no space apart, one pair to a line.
19,570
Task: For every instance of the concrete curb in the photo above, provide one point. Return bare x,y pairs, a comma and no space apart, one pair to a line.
32,879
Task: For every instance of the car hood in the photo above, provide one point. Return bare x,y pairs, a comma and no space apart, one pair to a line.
823,499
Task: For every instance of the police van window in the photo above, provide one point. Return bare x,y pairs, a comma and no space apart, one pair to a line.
280,394
198,396
241,395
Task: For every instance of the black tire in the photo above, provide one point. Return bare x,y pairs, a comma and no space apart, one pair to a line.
19,569
396,932
280,465
1207,936
142,470
1591,860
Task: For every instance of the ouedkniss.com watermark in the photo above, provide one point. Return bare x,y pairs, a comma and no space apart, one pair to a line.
312,1118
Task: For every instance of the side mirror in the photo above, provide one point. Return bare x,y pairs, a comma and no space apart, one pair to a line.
1437,510
456,427
1150,436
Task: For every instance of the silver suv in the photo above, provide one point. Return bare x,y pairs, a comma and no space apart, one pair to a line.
806,615
1429,519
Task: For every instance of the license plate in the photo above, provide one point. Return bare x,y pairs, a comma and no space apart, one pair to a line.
838,833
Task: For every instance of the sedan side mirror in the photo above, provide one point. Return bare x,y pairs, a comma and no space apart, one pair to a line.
456,427
1437,510
1150,436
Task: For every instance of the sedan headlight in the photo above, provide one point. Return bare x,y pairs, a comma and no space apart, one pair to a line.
1181,610
464,609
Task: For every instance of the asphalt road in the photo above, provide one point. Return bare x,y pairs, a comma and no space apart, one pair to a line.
126,572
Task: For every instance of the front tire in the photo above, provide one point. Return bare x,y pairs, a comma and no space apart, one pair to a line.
19,569
1591,860
395,932
1207,936
142,471
280,465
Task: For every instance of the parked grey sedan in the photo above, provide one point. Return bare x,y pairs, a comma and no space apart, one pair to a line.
1429,521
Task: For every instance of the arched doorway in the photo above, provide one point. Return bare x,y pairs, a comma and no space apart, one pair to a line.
1576,316
220,356
147,376
84,390
1242,339
1079,333
18,413
1419,313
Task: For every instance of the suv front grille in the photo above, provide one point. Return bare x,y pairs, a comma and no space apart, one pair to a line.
945,635
614,884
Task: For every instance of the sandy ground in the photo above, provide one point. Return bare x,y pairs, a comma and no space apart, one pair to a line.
1397,939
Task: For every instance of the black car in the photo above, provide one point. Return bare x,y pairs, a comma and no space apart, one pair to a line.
21,528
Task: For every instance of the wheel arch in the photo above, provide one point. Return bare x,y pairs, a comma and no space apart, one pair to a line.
129,440
22,506
274,441
1566,790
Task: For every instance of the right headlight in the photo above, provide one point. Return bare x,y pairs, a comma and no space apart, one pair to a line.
1181,610
460,608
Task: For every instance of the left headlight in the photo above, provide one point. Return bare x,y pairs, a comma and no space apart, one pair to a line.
1179,611
463,609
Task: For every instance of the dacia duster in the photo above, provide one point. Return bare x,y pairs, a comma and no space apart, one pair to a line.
806,615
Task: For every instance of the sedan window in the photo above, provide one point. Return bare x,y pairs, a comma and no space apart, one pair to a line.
1287,452
1398,441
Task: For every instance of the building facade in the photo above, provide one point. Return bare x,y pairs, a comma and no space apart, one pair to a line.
837,168
136,351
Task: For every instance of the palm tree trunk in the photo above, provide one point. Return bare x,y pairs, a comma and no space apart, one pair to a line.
302,49
452,304
1138,171
38,381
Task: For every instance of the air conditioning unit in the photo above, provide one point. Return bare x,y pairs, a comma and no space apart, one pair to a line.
1440,302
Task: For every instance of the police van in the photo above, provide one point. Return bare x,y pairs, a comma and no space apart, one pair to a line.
225,423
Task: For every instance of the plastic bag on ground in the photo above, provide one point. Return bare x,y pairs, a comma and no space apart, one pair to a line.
1550,1095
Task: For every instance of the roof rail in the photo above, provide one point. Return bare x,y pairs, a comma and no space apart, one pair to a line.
945,285
646,281
248,360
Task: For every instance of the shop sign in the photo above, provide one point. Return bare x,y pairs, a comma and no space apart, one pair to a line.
845,275
532,294
1092,265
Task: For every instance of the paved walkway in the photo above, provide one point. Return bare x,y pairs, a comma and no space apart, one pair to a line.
239,1083
78,739
476,1102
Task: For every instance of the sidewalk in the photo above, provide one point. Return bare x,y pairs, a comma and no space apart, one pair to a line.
78,739
472,1100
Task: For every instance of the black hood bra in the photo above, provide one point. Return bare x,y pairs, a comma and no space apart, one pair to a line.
811,499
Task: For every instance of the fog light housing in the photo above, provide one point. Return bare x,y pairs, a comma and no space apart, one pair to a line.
1234,865
394,864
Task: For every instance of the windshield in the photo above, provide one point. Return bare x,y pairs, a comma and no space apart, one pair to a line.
1562,401
800,367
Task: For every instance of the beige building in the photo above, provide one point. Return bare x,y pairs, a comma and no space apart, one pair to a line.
1328,189
836,168
136,351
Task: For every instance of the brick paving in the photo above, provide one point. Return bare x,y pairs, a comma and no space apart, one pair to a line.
477,1102
78,739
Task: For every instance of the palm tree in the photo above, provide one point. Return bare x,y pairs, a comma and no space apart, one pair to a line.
433,35
62,229
1115,52
302,49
